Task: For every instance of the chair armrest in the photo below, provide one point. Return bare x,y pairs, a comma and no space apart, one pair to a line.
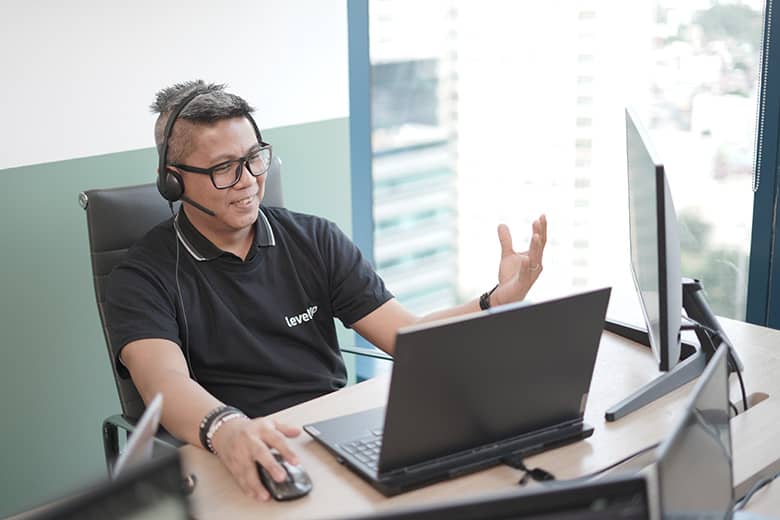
360,351
119,421
111,427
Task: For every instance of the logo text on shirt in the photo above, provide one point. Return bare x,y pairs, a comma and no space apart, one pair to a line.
294,321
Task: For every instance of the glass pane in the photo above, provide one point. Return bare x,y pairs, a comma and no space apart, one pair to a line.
497,111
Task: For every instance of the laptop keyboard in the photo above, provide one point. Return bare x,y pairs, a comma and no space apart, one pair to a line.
366,449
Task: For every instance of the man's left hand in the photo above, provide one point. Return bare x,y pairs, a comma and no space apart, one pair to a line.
518,271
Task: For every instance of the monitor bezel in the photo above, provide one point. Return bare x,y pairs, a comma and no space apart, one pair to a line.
667,344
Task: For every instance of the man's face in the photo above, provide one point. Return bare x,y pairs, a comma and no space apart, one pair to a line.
235,207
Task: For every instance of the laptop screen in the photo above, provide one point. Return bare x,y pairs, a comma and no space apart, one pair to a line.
694,465
485,378
150,490
139,445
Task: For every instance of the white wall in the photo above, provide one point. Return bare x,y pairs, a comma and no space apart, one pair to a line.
78,76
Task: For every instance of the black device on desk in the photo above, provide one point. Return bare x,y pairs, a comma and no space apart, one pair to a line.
663,294
297,484
152,489
623,498
468,391
143,482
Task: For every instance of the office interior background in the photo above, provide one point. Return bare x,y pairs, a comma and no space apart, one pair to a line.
467,114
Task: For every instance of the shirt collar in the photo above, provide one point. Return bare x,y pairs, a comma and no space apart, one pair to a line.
202,249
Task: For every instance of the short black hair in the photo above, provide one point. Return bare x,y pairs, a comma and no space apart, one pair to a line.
211,105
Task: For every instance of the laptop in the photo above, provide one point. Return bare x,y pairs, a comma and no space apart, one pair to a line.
692,476
694,468
141,486
625,497
150,490
689,478
468,391
141,443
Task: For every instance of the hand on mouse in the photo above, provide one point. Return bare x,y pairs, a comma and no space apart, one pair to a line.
241,442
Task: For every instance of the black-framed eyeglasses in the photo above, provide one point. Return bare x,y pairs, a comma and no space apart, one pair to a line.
227,174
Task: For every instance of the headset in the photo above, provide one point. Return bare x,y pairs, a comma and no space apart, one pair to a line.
169,181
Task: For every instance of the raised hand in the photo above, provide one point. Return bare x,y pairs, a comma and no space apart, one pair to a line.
518,271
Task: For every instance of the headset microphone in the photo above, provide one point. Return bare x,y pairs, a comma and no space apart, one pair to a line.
204,209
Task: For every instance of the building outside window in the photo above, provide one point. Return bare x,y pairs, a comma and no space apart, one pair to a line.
497,111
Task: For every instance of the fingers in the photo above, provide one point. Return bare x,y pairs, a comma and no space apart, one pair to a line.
265,457
276,440
241,463
288,430
254,443
538,241
505,237
540,227
535,252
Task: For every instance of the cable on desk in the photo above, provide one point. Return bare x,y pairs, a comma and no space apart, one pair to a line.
732,361
536,474
741,385
753,490
548,479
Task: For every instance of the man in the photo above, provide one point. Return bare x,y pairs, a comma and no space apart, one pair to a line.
227,308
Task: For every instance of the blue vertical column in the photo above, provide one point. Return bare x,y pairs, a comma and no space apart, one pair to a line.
763,305
360,150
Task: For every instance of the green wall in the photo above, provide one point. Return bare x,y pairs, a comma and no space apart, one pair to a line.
56,384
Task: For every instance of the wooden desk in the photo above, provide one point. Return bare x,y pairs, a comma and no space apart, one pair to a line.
621,367
766,502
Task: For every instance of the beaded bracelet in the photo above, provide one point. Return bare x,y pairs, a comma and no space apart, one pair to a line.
216,425
209,418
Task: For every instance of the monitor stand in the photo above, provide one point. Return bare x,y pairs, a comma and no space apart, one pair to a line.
693,359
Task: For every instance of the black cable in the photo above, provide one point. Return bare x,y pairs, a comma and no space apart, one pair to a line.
553,481
741,385
734,408
753,490
183,312
732,361
536,474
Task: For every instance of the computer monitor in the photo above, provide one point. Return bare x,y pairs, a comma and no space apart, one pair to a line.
694,464
655,266
654,244
624,497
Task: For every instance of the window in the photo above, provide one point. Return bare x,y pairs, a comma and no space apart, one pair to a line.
482,127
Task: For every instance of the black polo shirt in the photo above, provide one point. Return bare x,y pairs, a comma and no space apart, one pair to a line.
259,333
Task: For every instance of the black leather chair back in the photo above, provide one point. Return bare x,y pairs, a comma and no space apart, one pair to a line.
116,219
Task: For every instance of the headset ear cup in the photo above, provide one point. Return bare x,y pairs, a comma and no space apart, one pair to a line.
170,185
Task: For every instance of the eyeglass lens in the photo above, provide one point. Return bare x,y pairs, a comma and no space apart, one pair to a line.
229,174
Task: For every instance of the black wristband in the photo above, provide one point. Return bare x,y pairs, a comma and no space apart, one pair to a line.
484,300
209,418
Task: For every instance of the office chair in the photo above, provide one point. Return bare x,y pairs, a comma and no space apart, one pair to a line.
116,219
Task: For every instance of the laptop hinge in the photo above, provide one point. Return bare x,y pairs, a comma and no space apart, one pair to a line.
502,448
